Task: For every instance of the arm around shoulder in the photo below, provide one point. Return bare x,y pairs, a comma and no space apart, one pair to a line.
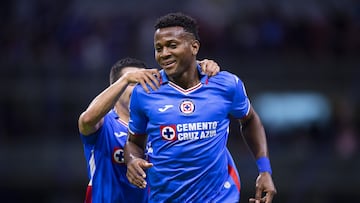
86,124
93,117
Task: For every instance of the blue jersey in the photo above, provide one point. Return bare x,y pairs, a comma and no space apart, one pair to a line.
187,135
105,164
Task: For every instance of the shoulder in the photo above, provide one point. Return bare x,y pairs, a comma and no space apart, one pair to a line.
226,74
226,78
138,90
111,115
110,120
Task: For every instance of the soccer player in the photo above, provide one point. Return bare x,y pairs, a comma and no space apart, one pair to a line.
185,124
103,130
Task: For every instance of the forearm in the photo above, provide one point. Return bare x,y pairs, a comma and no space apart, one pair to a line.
254,134
101,105
106,100
134,148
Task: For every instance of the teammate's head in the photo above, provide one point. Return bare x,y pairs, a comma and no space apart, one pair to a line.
117,69
179,19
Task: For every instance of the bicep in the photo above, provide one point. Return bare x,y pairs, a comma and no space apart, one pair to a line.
250,114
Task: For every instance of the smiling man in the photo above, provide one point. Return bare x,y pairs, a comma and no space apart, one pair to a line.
188,157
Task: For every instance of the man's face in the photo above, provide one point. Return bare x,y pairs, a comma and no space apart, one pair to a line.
175,50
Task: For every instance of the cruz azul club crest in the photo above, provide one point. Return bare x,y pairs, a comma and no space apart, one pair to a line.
187,107
118,155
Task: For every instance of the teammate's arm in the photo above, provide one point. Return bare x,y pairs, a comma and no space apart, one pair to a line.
93,117
209,67
254,134
134,158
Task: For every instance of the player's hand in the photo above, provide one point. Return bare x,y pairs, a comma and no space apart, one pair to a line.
209,67
264,185
144,77
136,172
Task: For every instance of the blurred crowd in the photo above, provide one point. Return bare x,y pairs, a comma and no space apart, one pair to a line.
79,34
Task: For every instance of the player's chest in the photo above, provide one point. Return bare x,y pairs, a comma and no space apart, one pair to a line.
199,106
117,136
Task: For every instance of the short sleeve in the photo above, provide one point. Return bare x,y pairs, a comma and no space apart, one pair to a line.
241,103
138,120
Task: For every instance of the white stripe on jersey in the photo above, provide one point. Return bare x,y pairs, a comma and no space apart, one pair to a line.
92,166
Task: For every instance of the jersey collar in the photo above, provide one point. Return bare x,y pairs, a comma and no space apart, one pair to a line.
203,77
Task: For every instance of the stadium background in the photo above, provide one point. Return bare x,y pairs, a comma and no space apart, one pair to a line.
299,59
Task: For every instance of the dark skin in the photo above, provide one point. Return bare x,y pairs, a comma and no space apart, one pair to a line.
255,137
175,51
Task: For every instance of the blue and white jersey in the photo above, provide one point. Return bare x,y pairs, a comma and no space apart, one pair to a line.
105,164
187,135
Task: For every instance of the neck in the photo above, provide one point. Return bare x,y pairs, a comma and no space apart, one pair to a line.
188,79
122,113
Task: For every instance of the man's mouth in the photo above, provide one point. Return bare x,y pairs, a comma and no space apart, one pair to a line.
168,64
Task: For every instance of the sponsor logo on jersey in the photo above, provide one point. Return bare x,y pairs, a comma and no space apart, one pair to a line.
168,132
118,155
189,131
166,107
121,134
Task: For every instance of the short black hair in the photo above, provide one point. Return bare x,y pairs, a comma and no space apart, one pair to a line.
179,19
116,69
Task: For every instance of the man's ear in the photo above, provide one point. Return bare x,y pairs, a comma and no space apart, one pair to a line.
195,46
